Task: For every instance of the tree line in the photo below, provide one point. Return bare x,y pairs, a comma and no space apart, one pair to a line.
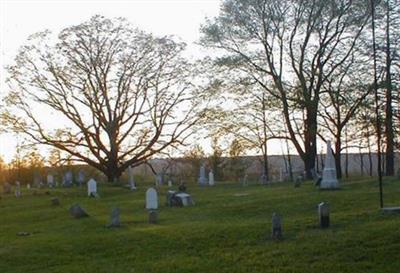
298,71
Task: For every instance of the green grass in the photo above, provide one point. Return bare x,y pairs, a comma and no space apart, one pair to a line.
222,233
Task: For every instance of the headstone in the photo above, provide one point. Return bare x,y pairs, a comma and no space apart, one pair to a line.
17,189
263,179
37,180
276,227
132,184
323,214
77,212
7,188
159,180
281,175
151,199
298,181
211,181
50,181
202,178
68,179
152,205
169,183
92,188
391,210
114,218
23,233
186,199
245,180
55,201
329,179
28,186
81,178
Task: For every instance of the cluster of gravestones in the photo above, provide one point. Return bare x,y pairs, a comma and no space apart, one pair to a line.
181,199
202,180
323,218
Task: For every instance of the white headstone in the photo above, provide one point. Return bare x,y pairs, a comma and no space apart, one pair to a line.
329,179
151,199
132,184
211,181
92,187
28,186
169,183
244,180
81,177
202,178
50,180
17,189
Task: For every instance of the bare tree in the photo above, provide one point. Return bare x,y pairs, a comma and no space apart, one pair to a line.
341,98
120,95
290,48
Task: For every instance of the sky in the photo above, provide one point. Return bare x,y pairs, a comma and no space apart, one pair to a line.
19,19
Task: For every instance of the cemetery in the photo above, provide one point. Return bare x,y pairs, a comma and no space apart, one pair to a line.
230,227
220,136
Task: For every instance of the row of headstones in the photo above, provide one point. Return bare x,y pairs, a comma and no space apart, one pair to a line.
91,186
180,199
323,217
67,180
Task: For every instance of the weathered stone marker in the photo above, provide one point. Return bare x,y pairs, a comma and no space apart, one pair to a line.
114,219
276,227
211,181
17,189
92,188
202,178
152,205
329,179
298,181
50,180
132,184
323,214
77,212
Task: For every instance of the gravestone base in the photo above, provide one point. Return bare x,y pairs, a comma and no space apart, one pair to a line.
329,180
324,221
276,227
94,195
391,210
277,233
153,217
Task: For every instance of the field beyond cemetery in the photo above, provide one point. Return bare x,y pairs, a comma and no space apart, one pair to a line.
227,231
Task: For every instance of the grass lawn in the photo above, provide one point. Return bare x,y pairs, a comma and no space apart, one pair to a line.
224,232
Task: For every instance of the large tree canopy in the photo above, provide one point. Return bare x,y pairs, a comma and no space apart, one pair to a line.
119,95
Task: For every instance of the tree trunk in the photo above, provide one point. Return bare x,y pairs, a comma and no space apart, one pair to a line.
338,155
289,159
361,163
346,168
369,154
388,105
310,142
